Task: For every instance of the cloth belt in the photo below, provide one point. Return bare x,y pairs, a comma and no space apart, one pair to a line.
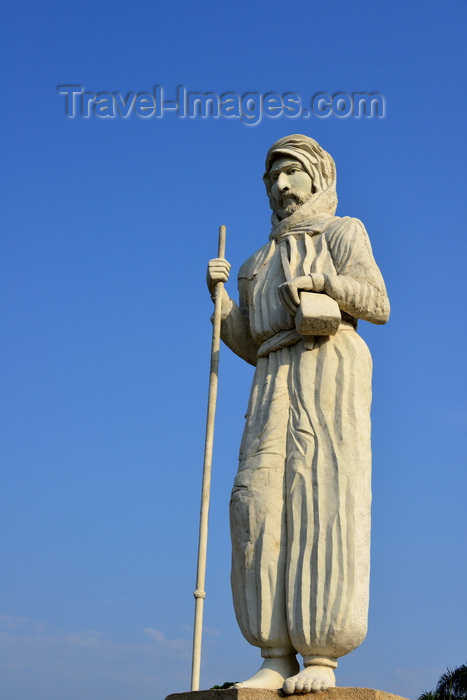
284,339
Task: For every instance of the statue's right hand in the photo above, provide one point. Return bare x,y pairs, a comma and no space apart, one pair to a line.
218,271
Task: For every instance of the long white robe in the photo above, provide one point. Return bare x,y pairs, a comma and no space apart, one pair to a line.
300,507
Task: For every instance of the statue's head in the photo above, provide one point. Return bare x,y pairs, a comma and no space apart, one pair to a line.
296,169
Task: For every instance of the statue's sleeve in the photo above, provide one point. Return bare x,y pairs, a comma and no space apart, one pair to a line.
358,287
235,327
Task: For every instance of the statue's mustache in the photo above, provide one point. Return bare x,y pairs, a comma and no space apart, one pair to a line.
299,197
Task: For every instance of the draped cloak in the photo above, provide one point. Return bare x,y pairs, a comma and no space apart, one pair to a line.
300,507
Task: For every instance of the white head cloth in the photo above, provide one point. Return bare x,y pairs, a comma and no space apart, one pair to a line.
320,167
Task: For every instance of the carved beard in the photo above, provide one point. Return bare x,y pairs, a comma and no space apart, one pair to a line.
300,199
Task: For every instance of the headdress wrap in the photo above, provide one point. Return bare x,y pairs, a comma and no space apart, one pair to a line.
320,167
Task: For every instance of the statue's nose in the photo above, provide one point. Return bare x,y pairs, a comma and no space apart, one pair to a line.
282,182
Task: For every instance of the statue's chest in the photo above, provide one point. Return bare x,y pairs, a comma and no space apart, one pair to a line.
295,257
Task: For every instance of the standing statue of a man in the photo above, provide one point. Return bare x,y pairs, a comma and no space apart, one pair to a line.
300,507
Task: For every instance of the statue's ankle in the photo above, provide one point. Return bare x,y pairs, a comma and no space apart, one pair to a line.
276,652
312,660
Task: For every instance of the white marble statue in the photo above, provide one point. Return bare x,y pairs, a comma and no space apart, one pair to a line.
300,507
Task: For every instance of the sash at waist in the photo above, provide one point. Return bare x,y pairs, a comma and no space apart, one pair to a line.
284,339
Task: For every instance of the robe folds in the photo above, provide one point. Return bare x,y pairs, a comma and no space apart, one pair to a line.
300,506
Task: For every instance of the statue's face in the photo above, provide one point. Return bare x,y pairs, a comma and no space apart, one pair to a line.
291,186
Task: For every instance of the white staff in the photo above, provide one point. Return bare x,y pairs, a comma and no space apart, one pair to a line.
200,593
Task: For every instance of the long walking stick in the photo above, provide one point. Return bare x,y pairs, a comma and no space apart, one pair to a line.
200,593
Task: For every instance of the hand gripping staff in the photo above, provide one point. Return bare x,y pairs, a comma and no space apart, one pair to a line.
200,593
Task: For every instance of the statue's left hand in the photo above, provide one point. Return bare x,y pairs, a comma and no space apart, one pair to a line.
289,292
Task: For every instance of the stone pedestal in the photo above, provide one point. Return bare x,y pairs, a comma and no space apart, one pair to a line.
260,694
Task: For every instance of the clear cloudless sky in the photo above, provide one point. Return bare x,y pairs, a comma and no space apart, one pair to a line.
107,228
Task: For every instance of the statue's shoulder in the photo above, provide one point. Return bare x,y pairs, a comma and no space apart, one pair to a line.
256,261
341,225
344,230
346,236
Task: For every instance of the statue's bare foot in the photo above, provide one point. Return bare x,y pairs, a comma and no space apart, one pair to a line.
272,673
310,680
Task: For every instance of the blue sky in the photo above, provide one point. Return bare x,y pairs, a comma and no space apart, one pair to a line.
108,224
